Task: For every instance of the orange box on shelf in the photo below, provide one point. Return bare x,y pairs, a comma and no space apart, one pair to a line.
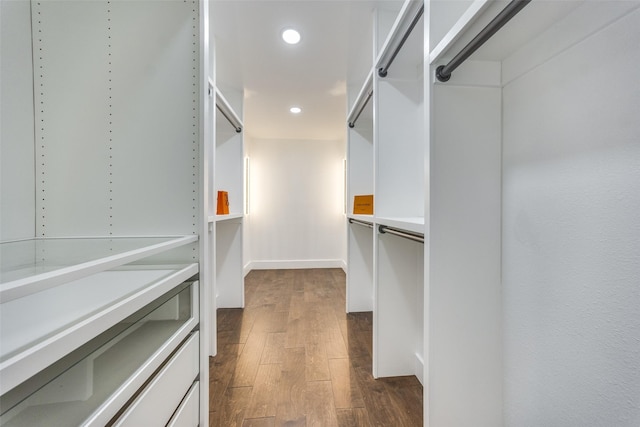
223,203
363,205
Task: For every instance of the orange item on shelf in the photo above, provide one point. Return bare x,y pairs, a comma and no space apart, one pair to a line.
223,203
363,205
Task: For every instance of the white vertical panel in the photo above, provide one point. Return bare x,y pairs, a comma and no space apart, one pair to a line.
398,311
399,148
17,205
465,357
229,277
359,268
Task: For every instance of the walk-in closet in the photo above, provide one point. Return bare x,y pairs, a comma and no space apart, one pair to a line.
335,213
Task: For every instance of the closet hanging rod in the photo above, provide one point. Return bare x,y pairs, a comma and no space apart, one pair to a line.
236,126
225,108
407,235
363,223
443,72
411,15
362,100
352,123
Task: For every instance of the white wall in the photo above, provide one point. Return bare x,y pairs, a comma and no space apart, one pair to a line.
296,217
571,236
17,178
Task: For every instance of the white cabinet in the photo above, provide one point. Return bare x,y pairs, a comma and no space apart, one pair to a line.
75,353
527,141
117,161
386,158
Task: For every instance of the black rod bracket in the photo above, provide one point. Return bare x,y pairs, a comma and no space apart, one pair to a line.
440,76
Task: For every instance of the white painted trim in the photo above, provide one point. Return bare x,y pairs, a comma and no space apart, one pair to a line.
247,269
296,264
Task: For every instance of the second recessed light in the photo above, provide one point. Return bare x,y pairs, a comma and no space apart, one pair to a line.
295,110
291,36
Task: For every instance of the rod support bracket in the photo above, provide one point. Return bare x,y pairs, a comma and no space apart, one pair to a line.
440,76
382,72
352,125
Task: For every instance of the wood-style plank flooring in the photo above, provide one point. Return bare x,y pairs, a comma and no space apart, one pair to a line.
293,357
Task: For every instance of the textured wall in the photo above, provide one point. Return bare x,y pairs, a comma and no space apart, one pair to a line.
571,236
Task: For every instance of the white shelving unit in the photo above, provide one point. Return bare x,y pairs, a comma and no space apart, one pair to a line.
385,272
523,141
88,312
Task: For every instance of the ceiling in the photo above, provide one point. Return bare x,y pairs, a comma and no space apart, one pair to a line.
335,51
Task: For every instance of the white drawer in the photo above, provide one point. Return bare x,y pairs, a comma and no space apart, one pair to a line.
188,414
159,400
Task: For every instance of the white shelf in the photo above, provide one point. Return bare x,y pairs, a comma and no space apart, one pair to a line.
34,265
36,332
221,218
414,224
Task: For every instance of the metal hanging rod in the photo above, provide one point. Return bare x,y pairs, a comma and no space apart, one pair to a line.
443,72
401,233
225,108
352,123
237,127
363,223
406,23
361,100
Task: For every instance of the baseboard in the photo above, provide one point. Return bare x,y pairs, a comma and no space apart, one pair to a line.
295,264
343,265
246,269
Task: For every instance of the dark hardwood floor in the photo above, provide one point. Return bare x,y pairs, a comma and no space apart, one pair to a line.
293,357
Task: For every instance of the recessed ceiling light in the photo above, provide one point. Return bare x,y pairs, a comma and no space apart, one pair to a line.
291,36
295,110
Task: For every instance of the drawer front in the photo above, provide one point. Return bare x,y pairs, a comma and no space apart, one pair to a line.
188,414
159,400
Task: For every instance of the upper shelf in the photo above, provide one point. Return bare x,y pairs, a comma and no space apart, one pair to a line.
33,265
